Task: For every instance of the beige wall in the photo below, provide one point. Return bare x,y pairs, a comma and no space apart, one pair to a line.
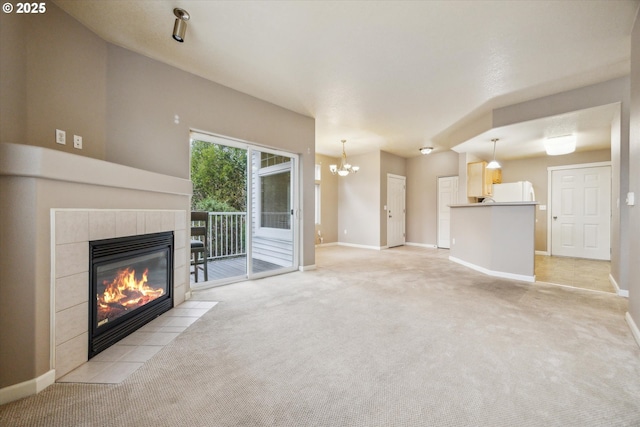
634,179
53,77
535,171
59,75
328,226
361,199
422,194
13,81
144,98
359,203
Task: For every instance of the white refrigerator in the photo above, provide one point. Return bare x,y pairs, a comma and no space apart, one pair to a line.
521,191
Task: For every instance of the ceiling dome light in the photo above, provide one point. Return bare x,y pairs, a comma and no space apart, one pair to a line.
426,150
558,145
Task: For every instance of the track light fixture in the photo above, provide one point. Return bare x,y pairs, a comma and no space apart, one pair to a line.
180,27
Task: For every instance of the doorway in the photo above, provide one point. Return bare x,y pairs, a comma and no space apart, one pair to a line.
447,195
250,194
580,211
396,213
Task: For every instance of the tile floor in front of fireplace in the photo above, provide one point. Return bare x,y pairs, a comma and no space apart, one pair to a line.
116,363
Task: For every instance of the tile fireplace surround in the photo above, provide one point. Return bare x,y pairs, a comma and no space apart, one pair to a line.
52,203
72,229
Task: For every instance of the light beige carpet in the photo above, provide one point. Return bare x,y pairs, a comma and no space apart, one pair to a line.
400,337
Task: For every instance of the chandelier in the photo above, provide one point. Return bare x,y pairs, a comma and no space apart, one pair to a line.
345,167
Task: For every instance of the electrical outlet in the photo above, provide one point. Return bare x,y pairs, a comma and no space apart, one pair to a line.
61,137
77,142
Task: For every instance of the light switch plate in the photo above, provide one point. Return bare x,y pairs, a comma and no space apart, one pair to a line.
61,137
631,198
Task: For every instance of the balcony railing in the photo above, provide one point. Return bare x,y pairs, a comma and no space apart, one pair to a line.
227,231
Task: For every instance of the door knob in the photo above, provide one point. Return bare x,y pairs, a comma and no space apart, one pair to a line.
555,217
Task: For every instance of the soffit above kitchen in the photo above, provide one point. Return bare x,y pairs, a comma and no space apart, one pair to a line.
591,126
385,75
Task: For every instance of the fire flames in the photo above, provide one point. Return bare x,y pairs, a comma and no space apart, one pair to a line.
125,293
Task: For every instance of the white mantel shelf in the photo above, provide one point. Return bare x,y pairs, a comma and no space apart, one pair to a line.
38,162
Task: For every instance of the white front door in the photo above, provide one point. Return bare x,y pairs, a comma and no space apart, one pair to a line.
395,210
447,195
581,212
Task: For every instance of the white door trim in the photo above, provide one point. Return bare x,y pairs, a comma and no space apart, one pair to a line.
404,207
551,169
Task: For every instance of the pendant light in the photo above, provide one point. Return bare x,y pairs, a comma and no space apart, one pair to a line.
493,164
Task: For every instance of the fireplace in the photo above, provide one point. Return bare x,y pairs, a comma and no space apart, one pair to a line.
131,283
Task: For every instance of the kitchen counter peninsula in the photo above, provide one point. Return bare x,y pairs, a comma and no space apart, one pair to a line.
497,239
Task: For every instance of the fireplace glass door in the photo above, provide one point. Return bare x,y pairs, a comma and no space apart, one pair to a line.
126,285
131,284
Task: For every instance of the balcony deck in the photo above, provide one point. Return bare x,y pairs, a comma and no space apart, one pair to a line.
223,268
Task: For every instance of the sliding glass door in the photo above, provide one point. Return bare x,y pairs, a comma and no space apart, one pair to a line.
250,195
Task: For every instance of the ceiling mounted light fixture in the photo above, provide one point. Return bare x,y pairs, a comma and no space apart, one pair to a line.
180,27
493,164
558,145
345,167
426,150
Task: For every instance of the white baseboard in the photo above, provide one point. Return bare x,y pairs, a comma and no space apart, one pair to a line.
488,272
187,295
353,245
422,245
307,267
634,328
545,253
27,388
324,245
620,292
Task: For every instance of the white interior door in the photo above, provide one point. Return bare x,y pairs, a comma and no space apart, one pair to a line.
581,212
447,195
395,210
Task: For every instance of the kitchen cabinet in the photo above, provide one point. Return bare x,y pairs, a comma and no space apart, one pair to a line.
479,180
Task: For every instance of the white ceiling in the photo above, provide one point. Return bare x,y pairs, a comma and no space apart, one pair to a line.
388,75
